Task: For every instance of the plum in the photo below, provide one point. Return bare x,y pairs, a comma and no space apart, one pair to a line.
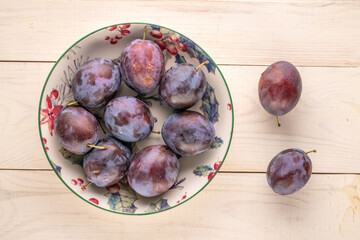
75,129
105,167
182,86
280,88
142,65
153,170
96,82
128,119
188,133
289,171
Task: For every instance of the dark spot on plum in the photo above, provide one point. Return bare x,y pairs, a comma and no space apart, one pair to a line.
78,78
92,79
106,71
85,101
122,119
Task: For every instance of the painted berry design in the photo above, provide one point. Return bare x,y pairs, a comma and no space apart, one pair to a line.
217,165
173,42
120,32
229,107
211,175
73,182
207,170
94,201
182,198
44,142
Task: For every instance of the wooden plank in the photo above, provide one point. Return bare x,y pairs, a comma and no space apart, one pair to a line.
327,119
35,205
20,90
321,33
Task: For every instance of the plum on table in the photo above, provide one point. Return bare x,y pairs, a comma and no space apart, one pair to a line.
289,171
280,88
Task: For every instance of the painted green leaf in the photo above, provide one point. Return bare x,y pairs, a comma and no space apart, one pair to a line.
56,167
167,56
210,105
73,158
216,143
203,170
180,59
177,184
159,205
123,200
195,52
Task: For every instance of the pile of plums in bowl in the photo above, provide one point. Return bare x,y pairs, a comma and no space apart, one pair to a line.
135,127
154,169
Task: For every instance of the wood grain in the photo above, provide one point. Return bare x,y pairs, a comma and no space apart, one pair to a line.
36,205
327,119
307,33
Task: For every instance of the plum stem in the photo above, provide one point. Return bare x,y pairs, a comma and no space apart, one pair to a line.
314,151
157,132
206,62
277,121
85,186
72,103
144,33
94,146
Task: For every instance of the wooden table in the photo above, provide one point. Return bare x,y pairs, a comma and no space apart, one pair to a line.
321,37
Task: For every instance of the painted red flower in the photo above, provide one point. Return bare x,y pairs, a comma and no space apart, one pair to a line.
49,114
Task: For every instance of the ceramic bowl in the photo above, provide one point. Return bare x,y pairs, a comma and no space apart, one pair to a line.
195,173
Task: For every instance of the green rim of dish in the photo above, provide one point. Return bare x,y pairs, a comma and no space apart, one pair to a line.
132,214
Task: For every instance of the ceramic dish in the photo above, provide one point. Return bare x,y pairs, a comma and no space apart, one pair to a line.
195,172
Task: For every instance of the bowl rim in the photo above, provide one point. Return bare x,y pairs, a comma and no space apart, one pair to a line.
43,145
